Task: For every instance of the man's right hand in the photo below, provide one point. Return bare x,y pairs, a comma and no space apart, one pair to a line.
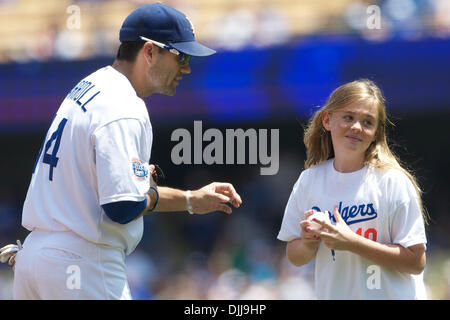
9,252
213,197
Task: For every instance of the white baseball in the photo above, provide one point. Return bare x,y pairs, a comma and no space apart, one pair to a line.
321,216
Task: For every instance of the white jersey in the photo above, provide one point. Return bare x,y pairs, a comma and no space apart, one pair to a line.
96,152
379,205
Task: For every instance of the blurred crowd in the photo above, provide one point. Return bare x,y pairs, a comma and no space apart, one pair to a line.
69,29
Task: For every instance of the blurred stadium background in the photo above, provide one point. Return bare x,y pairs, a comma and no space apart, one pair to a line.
276,61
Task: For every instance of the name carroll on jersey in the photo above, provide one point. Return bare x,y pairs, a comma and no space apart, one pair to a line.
81,95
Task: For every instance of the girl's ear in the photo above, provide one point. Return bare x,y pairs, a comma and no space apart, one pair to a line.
326,120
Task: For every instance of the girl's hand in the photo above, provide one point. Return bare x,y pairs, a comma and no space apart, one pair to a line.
308,237
338,236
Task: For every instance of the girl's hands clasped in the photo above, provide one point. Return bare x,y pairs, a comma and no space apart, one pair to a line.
338,236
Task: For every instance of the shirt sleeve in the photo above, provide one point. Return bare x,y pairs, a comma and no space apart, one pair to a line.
407,224
124,212
294,213
122,152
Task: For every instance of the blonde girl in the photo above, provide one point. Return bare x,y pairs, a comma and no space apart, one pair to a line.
374,247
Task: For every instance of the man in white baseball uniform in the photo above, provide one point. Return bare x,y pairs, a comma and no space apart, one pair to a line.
92,183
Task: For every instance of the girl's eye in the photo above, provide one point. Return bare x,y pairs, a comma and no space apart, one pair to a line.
367,123
347,117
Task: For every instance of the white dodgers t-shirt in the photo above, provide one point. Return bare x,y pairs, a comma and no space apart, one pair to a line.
379,205
96,152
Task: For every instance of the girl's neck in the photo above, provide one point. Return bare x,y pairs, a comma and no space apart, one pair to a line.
348,164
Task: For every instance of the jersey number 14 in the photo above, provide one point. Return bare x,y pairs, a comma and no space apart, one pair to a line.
50,158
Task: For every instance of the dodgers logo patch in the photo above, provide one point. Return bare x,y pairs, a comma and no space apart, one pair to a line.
139,169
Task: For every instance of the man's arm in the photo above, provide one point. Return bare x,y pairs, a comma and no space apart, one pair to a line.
213,197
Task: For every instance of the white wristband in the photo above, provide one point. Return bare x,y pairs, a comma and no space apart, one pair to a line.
188,202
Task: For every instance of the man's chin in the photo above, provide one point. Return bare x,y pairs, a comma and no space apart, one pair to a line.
169,93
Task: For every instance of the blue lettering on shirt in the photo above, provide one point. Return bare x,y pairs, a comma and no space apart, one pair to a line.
79,91
353,214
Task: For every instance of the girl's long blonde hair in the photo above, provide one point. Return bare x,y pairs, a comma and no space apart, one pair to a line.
319,147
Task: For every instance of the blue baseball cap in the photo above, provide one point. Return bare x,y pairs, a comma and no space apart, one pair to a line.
165,24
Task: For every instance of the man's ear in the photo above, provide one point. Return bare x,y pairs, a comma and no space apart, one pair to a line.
326,120
148,50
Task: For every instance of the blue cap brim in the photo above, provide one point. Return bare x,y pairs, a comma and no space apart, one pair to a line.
192,48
